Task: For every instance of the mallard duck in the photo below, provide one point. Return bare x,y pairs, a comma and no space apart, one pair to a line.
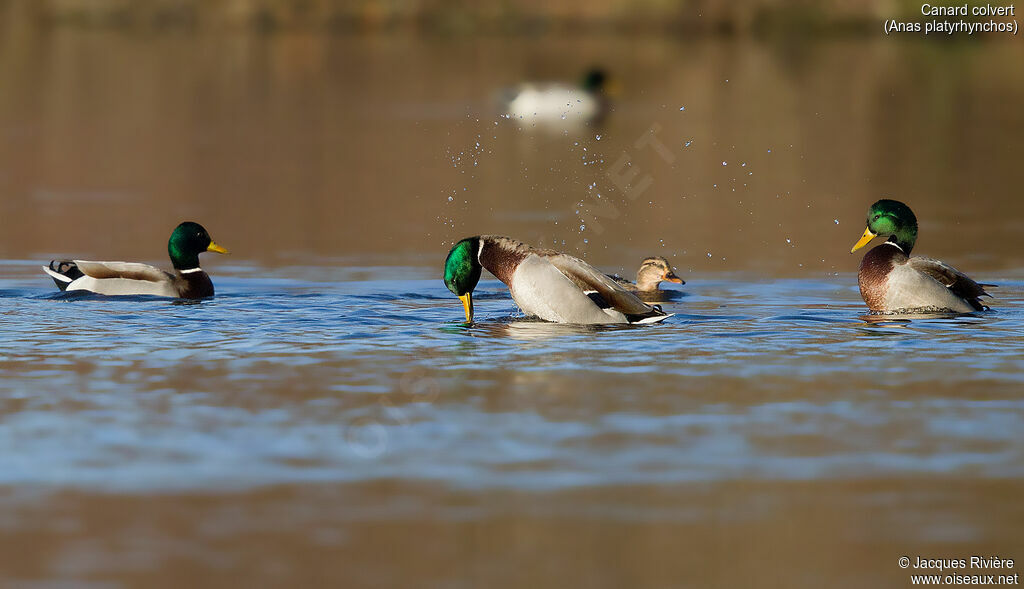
653,271
891,281
544,283
556,103
188,281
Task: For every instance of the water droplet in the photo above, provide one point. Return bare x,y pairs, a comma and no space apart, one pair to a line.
682,108
836,221
598,137
788,240
451,198
687,144
725,163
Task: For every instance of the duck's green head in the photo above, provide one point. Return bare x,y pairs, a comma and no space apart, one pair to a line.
893,219
594,80
462,272
186,243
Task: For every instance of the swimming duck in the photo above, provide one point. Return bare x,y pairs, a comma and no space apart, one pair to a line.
893,282
653,270
556,103
545,283
188,281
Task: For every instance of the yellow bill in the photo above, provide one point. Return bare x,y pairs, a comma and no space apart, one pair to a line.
467,303
213,247
612,87
864,239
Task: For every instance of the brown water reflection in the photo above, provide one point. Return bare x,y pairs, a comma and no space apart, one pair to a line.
807,534
298,145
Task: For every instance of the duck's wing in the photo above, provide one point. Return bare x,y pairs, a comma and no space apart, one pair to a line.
112,278
588,278
959,283
623,282
125,270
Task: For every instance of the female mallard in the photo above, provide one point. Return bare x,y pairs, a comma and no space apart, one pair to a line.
893,282
188,281
559,103
653,271
550,285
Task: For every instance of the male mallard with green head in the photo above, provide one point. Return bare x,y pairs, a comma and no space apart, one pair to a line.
653,271
893,282
544,283
188,281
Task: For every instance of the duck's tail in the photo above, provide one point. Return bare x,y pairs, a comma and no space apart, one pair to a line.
654,316
63,272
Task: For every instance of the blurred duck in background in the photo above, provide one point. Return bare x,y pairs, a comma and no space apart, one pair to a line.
653,271
558,104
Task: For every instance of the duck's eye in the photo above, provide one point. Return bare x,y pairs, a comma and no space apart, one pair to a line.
876,217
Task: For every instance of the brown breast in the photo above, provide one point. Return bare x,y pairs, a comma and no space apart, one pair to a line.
194,285
873,277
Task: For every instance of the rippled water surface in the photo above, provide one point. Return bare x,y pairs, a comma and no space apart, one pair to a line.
290,381
365,403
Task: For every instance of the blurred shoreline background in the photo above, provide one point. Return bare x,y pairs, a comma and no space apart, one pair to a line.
690,17
282,123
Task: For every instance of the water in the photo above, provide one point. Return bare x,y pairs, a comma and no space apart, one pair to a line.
282,381
369,404
327,419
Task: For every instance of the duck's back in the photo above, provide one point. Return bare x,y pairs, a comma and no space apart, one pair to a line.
541,289
553,102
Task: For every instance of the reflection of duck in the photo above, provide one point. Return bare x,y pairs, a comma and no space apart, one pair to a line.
188,281
892,281
544,283
530,329
653,271
559,104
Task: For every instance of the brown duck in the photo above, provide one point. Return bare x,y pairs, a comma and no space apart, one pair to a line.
653,271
